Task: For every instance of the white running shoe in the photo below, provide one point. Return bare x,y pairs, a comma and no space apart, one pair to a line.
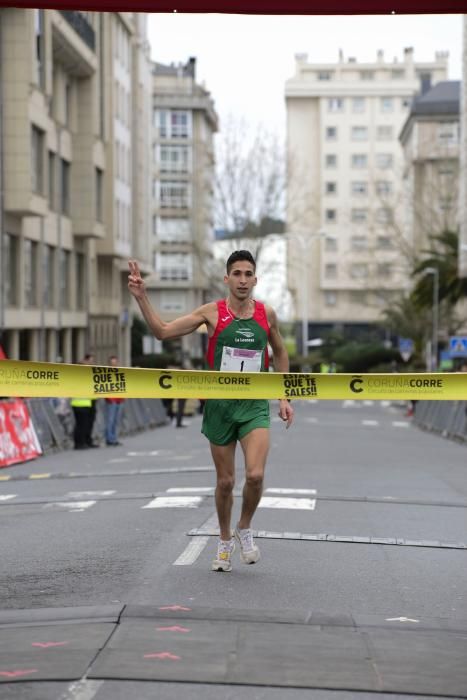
223,560
249,552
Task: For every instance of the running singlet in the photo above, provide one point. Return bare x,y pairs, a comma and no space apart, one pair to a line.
237,345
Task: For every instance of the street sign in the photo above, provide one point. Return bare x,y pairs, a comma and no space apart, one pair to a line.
458,346
406,347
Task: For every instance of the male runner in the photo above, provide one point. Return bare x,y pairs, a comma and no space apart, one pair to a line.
239,330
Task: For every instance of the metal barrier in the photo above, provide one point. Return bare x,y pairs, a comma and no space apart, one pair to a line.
448,418
54,421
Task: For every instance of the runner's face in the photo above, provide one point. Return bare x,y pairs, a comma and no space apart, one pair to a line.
241,280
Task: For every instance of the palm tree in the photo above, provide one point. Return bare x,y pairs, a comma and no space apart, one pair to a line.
442,255
405,319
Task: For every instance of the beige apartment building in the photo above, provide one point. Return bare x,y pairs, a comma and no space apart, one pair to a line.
184,123
74,90
463,160
345,218
430,142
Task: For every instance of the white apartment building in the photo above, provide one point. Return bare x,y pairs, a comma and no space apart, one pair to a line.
344,182
184,123
67,86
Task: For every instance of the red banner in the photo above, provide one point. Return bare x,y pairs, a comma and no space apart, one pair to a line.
18,439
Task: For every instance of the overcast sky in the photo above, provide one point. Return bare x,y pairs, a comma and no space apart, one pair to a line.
244,60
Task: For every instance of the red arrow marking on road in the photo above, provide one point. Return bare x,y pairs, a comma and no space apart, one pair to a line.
162,655
18,672
174,607
46,645
175,628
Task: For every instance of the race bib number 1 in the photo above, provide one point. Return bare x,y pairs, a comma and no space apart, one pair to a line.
239,360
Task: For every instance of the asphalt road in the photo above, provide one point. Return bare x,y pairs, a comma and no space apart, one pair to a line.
107,591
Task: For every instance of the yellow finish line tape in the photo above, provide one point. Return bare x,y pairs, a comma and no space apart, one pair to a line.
43,379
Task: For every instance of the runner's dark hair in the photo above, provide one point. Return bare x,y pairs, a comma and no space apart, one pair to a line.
238,255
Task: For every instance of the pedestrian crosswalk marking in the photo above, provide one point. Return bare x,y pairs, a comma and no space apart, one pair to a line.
174,502
301,492
7,496
370,422
77,506
192,489
288,503
400,424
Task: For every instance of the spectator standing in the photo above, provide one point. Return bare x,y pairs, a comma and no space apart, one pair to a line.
113,409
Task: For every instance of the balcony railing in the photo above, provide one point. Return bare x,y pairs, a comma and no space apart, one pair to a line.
81,26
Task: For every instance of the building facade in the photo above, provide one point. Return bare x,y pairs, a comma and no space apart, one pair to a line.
344,219
430,140
69,85
184,124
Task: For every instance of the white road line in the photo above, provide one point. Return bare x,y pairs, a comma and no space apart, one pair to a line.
370,422
288,503
82,690
348,403
73,506
400,424
192,489
368,402
174,502
192,552
7,497
301,492
88,494
151,453
385,404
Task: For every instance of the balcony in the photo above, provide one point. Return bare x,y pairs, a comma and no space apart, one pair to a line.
80,24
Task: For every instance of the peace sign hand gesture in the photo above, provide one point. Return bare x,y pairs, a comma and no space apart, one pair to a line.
136,284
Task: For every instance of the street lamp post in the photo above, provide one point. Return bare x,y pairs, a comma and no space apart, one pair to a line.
435,306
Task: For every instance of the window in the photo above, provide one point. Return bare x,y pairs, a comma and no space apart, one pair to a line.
30,272
406,102
64,277
10,269
359,188
331,133
359,243
384,161
358,296
48,276
39,32
331,215
174,266
445,203
384,270
331,188
331,160
383,243
397,74
174,230
173,301
324,75
359,133
37,160
330,244
358,105
384,133
359,160
448,134
67,103
425,82
64,187
80,261
180,124
174,195
386,104
330,271
99,195
359,270
384,215
335,104
383,187
330,298
52,181
175,159
366,75
359,216
162,119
